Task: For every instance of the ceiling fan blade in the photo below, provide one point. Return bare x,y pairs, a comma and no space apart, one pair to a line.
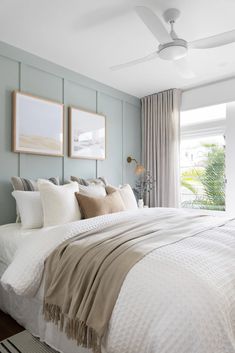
183,68
213,41
134,62
154,24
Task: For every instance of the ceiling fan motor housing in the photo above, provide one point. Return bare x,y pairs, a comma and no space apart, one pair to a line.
171,15
173,50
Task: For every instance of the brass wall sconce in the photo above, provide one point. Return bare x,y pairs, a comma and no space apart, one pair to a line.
139,169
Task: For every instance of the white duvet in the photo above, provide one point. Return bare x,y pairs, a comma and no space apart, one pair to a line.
178,299
11,237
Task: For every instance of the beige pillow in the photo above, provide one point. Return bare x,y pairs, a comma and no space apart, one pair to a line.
59,203
97,206
126,194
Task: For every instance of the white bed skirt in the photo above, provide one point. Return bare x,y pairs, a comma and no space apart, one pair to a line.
28,313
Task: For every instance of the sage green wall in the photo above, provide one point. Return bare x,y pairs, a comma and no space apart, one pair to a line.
31,74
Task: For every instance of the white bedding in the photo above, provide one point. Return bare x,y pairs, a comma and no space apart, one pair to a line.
12,237
180,298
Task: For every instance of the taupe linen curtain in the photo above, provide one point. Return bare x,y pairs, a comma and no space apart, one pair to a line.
160,146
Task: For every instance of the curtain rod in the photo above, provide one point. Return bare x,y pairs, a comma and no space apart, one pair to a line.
209,83
165,90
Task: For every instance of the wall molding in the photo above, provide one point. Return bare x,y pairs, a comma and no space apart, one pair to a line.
28,73
27,58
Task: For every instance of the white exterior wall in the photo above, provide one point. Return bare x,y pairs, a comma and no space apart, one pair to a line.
212,94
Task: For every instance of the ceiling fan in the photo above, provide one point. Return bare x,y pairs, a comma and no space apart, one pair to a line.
172,47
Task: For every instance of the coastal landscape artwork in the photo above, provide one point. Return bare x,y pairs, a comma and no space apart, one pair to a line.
86,134
37,125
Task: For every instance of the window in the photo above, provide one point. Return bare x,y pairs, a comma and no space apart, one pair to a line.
202,158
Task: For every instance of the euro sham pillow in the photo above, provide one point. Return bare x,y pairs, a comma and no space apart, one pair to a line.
26,184
86,182
30,208
98,206
59,203
126,194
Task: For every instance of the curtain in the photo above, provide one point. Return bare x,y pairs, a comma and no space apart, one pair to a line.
160,146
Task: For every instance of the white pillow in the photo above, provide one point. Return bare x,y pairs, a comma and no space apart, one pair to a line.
30,208
93,190
127,195
59,203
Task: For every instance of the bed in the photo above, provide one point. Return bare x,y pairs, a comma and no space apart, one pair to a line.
178,298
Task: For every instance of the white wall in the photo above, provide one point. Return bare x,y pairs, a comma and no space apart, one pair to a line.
218,93
214,93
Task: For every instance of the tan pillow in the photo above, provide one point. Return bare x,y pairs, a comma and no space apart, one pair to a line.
126,194
97,206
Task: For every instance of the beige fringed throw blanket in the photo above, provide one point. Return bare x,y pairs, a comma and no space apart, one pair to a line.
84,275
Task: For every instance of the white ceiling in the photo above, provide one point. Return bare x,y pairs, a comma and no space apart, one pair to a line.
90,36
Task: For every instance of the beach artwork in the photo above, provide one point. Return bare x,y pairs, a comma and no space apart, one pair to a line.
37,125
86,134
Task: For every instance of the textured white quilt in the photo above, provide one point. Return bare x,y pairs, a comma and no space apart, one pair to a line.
178,299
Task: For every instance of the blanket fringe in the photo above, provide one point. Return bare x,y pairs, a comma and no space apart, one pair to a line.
75,329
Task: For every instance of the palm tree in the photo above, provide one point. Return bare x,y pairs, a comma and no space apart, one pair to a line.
190,178
211,178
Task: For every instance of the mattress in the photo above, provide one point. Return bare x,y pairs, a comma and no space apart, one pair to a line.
180,298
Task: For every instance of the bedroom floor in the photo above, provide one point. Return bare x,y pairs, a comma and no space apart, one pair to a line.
8,326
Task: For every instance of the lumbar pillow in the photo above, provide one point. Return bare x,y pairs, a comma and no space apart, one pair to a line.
126,194
30,208
59,203
97,206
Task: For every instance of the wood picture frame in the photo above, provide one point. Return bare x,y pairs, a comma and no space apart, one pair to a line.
87,134
38,125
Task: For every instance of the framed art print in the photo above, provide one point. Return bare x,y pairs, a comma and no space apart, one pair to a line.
37,125
86,134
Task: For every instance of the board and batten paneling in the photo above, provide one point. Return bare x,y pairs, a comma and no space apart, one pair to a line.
83,98
23,71
131,141
45,85
112,109
9,73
